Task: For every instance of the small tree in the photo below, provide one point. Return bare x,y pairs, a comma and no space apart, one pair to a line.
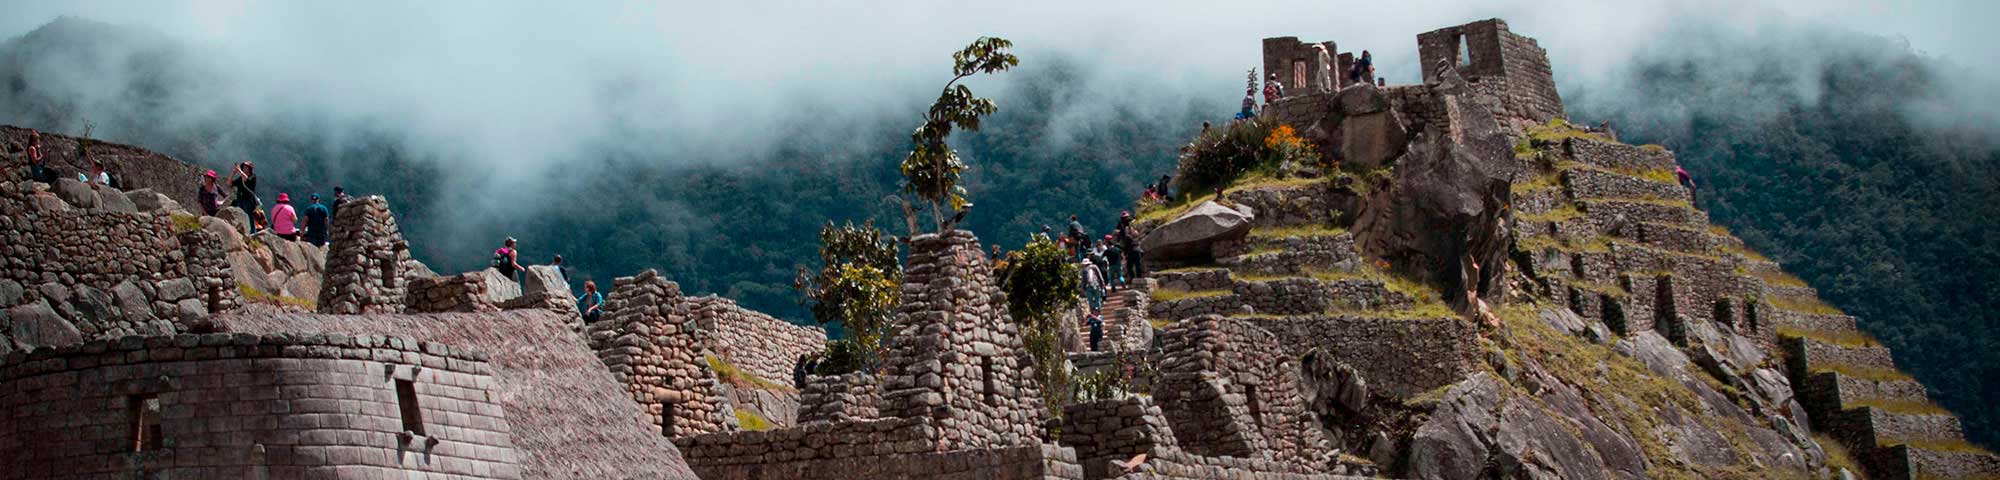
932,169
1041,284
859,286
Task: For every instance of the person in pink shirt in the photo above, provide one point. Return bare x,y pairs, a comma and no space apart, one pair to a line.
284,220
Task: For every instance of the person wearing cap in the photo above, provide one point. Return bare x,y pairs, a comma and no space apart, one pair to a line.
210,195
561,269
244,182
317,217
1114,258
285,219
506,259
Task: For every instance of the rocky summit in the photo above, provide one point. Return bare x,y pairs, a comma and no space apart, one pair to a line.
1461,285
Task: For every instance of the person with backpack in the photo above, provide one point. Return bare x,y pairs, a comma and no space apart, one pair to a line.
591,303
1272,91
210,195
505,259
339,199
318,218
1096,330
1114,259
285,219
1093,285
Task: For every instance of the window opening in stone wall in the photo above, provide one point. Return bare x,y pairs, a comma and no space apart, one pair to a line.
986,373
214,299
1298,76
144,411
413,414
1750,314
391,275
1722,313
1464,53
667,420
1256,407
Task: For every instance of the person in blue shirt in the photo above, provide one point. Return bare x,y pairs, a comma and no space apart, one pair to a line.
591,303
1096,330
317,218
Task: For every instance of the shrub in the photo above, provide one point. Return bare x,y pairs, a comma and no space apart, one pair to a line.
1220,155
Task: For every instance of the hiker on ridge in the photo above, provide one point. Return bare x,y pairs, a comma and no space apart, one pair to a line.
285,219
38,163
1686,180
1272,91
339,199
591,303
244,182
506,259
317,221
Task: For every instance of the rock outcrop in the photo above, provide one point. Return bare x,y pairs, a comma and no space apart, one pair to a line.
1193,235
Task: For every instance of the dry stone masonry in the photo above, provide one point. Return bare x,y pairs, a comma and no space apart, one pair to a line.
368,264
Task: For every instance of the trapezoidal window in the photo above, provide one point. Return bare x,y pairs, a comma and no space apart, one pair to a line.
667,420
144,410
986,373
1298,75
406,401
392,274
1464,53
1256,407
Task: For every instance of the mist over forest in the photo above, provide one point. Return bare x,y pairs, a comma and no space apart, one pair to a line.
1857,162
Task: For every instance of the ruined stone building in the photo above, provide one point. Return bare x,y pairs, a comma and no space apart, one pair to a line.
1476,289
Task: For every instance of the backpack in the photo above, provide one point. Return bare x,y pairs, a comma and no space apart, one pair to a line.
500,260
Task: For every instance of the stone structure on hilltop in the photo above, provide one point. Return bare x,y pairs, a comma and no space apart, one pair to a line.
1500,64
368,263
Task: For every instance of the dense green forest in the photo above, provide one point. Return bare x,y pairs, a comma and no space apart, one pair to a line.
1857,174
1848,167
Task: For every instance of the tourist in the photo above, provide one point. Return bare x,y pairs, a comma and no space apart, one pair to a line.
98,175
1114,258
339,199
799,372
1272,92
1096,330
506,259
1093,285
210,195
1148,196
258,221
285,219
1166,193
561,270
1687,181
1249,105
1363,70
591,303
38,162
1075,228
244,182
1325,75
318,218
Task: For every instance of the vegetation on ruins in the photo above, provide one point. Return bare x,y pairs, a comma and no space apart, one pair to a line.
857,288
1041,284
931,170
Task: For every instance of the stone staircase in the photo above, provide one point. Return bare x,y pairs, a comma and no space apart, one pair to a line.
1607,229
1124,326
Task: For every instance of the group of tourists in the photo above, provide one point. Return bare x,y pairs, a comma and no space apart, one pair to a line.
1362,70
1105,264
39,170
311,224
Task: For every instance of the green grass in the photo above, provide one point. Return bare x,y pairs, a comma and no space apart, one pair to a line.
1536,184
1905,407
1167,295
1598,243
1184,202
1873,374
1296,231
1192,269
1804,305
750,420
736,376
1940,445
184,223
1159,323
1845,339
1779,278
1836,454
253,295
1562,214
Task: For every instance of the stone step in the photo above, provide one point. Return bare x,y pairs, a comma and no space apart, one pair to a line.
1909,462
1640,210
1190,280
1309,295
1831,391
1617,156
1810,321
1812,352
1594,183
1870,427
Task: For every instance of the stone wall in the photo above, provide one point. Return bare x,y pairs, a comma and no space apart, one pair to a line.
840,398
368,264
757,343
1282,55
952,350
889,448
657,352
1108,432
208,269
135,168
1399,357
251,406
82,262
456,293
1512,68
1230,389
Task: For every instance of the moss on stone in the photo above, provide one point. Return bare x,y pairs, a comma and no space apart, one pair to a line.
1168,295
728,372
749,420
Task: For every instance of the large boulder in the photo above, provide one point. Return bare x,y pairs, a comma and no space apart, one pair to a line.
37,325
1453,443
243,268
499,288
76,193
112,200
232,237
302,285
1447,202
1373,140
150,201
1359,99
237,218
1194,234
543,282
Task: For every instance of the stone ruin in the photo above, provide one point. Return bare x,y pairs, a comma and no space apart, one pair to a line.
368,264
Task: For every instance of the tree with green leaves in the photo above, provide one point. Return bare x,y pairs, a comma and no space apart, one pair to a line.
858,287
932,169
1041,284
